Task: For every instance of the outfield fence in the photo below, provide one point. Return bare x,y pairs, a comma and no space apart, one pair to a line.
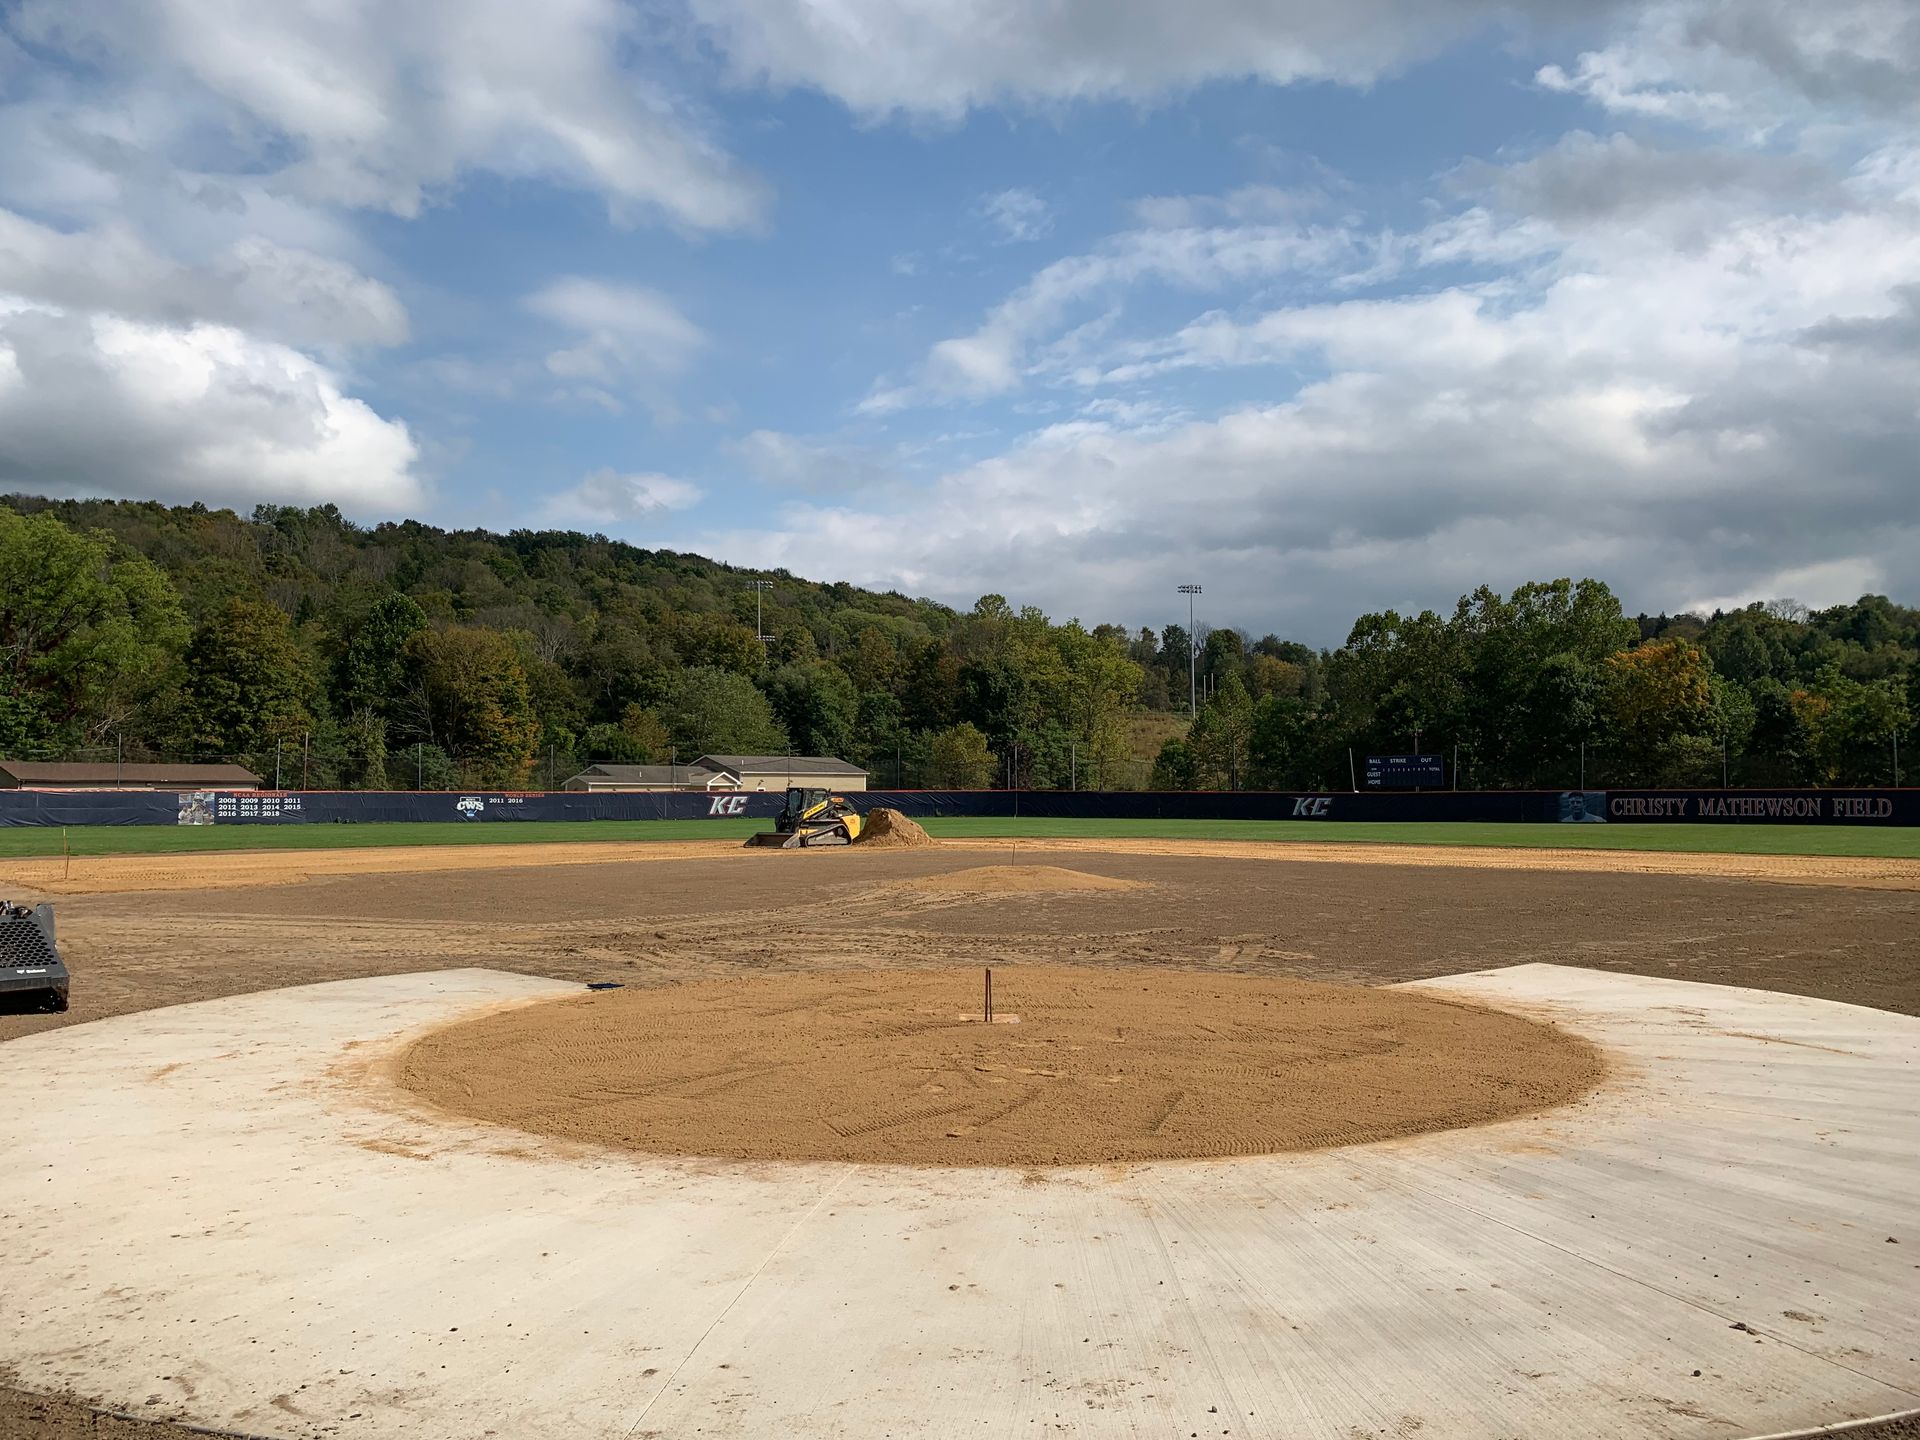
295,807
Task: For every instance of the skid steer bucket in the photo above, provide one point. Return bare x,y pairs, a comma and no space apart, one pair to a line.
30,966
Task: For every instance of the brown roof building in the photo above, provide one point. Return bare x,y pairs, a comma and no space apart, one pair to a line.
60,775
622,778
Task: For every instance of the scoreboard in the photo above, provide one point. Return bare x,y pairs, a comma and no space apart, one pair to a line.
1406,772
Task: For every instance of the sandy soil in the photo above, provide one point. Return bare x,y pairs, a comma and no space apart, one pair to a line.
1016,880
655,914
888,829
1100,1066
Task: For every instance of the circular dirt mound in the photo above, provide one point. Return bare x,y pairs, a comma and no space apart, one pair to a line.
890,830
1016,879
1101,1066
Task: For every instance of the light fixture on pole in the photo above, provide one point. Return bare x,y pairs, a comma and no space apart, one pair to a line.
1193,704
760,588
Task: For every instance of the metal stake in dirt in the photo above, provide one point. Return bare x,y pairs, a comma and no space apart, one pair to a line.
987,1009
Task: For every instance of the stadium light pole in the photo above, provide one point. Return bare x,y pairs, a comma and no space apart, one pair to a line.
760,588
1193,703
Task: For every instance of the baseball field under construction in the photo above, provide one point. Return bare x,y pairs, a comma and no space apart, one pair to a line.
1247,1137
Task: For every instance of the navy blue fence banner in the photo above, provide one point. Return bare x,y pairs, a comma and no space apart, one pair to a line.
1766,807
474,807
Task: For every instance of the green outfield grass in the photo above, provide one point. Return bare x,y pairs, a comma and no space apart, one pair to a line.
1879,841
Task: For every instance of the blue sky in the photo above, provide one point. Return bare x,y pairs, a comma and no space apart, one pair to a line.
1329,308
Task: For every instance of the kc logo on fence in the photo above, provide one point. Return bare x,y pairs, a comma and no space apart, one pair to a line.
728,805
1312,807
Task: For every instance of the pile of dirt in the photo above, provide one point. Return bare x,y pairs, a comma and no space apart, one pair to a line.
884,1066
1015,880
890,830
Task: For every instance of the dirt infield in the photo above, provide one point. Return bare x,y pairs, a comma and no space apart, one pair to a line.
119,874
1099,1066
142,932
1016,880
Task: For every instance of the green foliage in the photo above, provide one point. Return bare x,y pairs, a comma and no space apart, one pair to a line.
1176,767
249,686
511,658
86,631
468,696
1850,726
818,707
959,759
1280,746
720,712
372,669
1220,736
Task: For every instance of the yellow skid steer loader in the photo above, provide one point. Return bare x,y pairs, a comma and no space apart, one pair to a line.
812,817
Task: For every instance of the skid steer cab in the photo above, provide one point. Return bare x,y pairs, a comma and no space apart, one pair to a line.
811,817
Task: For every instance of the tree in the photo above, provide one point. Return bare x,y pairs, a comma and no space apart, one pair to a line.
882,735
86,630
1279,745
715,642
363,751
817,706
472,702
1779,750
372,670
1660,703
1101,686
875,663
1176,767
249,685
1220,735
647,732
719,712
1851,727
960,759
1267,675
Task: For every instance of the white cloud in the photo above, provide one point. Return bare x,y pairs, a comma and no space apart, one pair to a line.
944,59
996,357
386,106
1836,582
626,338
815,464
1756,64
1687,373
97,405
610,498
254,284
1019,215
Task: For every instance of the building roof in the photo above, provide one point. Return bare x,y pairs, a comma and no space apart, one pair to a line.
649,774
780,765
51,772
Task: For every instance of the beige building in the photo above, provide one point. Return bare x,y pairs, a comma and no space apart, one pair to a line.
777,772
722,772
603,779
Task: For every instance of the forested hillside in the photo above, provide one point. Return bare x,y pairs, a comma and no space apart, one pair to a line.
403,655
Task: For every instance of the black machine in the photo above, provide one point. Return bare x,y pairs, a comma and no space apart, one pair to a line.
29,962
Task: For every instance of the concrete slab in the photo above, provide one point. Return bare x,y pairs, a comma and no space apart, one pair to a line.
212,1214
